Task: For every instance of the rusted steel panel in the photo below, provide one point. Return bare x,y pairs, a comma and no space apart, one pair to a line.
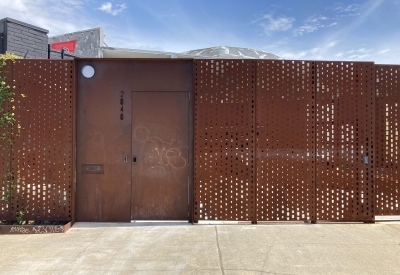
387,140
103,138
162,75
73,86
285,140
345,133
42,156
5,151
224,125
160,156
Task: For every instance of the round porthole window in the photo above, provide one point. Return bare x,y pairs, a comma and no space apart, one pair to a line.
88,71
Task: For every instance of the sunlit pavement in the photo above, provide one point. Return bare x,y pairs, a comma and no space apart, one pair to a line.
181,248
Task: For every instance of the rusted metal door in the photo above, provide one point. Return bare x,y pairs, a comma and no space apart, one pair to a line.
106,120
160,154
103,141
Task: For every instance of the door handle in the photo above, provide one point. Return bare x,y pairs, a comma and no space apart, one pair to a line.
134,159
125,158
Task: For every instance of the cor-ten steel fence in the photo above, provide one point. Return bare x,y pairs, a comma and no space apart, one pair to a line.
282,140
41,157
274,140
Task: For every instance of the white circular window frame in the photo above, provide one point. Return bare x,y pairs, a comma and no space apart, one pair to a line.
88,71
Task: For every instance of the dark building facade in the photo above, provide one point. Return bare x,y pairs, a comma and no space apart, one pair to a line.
23,39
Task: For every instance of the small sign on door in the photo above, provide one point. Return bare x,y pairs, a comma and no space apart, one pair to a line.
92,168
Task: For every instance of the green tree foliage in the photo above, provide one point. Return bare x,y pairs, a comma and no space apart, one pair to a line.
7,122
7,118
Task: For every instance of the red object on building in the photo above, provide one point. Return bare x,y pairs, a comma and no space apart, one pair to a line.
69,45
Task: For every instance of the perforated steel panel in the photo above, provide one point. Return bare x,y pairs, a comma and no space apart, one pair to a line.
42,157
387,140
224,184
345,136
4,180
5,150
285,140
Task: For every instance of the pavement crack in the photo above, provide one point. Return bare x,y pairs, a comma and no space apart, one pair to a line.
219,251
272,244
388,231
87,246
394,227
274,273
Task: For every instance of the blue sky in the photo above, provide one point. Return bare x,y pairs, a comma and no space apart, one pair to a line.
292,29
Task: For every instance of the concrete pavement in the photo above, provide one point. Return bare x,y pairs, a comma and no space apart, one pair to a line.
178,248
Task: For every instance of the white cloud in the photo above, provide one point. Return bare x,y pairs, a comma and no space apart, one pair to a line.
312,24
310,54
58,16
277,24
325,53
316,19
331,44
165,16
364,50
342,10
305,29
342,42
366,10
348,8
383,51
108,8
357,56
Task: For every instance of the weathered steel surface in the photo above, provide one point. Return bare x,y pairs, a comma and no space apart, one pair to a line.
345,133
285,140
103,138
160,156
387,116
224,140
42,155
